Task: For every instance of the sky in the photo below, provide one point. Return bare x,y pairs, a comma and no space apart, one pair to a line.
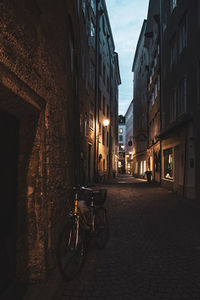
126,19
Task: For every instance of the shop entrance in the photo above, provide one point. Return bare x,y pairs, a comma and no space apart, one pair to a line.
9,131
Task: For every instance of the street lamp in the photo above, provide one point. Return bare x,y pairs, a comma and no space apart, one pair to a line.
106,122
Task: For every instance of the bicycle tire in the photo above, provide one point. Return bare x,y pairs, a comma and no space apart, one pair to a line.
70,256
101,227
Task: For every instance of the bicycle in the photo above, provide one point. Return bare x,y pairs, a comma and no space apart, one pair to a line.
87,219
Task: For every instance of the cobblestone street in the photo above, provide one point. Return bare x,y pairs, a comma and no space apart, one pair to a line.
153,251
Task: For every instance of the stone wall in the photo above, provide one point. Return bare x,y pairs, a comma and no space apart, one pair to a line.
37,87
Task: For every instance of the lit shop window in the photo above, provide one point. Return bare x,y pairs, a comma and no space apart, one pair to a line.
168,164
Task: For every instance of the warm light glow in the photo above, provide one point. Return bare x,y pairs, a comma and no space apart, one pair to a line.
106,122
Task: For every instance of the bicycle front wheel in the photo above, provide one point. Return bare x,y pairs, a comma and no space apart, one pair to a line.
70,250
101,227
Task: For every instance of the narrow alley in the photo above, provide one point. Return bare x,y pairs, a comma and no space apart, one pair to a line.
153,250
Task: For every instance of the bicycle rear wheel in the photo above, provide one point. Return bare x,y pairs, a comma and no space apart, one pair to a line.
70,250
101,227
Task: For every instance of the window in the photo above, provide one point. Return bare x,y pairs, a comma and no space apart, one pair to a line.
99,99
103,105
91,121
158,82
111,72
92,29
99,129
121,138
104,73
71,46
78,6
81,123
104,29
168,164
86,126
164,23
93,5
100,64
84,7
92,74
182,97
103,135
108,84
152,99
173,51
141,168
108,111
182,35
91,39
173,4
145,166
121,130
173,104
104,165
156,91
83,64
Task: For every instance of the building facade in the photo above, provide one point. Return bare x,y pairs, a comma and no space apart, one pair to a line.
152,44
129,140
179,95
172,43
49,123
99,99
140,140
122,143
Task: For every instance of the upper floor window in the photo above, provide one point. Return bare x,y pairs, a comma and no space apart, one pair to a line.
173,105
104,27
92,74
93,5
78,6
173,4
91,121
84,7
121,138
100,64
103,135
108,84
182,96
156,91
99,99
108,111
92,29
152,99
103,105
182,42
173,51
104,73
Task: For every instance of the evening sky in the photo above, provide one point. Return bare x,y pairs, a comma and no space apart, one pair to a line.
126,19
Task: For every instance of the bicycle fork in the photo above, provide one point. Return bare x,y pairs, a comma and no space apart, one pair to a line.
74,233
